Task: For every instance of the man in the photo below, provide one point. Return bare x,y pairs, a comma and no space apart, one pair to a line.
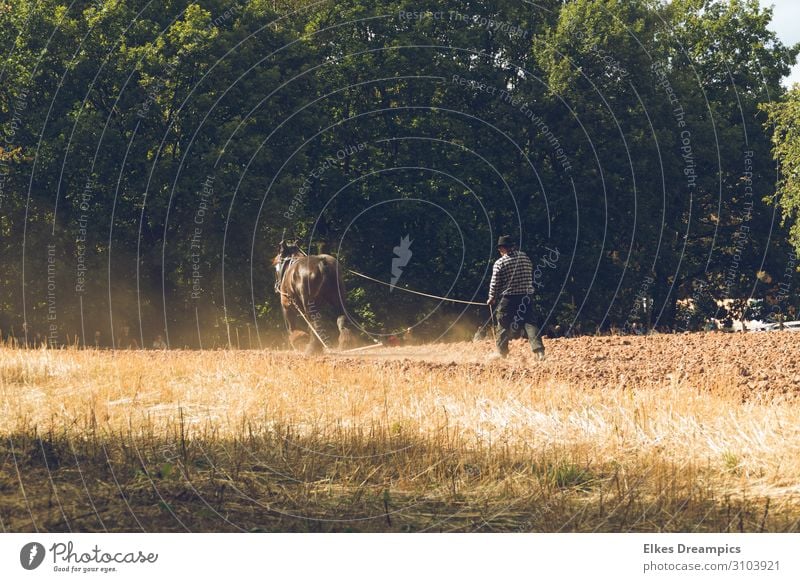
511,289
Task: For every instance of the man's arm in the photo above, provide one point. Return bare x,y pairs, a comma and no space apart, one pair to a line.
495,282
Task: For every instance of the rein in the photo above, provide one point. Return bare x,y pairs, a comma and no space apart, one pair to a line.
407,290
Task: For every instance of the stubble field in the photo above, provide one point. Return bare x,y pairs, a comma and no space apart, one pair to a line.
693,432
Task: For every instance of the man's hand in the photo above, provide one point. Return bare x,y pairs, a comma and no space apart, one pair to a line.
490,301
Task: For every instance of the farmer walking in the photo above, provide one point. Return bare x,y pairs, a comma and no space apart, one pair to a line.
511,289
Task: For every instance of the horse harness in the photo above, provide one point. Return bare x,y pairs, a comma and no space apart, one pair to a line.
285,264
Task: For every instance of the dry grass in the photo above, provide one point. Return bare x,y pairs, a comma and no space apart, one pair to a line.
270,441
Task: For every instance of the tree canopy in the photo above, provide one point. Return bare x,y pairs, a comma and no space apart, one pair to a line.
155,153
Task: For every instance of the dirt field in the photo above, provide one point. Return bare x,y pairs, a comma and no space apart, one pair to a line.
693,432
756,364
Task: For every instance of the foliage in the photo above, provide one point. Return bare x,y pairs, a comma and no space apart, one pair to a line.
154,154
784,116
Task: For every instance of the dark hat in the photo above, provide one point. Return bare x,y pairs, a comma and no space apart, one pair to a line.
506,241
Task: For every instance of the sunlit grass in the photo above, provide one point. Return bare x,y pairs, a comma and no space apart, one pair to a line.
219,441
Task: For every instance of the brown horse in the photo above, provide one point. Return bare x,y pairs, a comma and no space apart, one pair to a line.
305,284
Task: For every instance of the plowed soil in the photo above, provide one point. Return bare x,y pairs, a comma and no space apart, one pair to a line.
763,364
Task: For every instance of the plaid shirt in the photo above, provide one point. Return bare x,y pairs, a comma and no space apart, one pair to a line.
512,275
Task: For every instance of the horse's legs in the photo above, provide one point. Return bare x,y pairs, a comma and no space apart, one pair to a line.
314,345
345,335
290,317
335,297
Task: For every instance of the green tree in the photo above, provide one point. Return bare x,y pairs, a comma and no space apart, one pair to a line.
784,120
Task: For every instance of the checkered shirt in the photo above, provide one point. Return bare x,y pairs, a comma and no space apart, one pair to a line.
511,275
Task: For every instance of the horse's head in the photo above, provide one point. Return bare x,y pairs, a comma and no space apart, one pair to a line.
286,251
